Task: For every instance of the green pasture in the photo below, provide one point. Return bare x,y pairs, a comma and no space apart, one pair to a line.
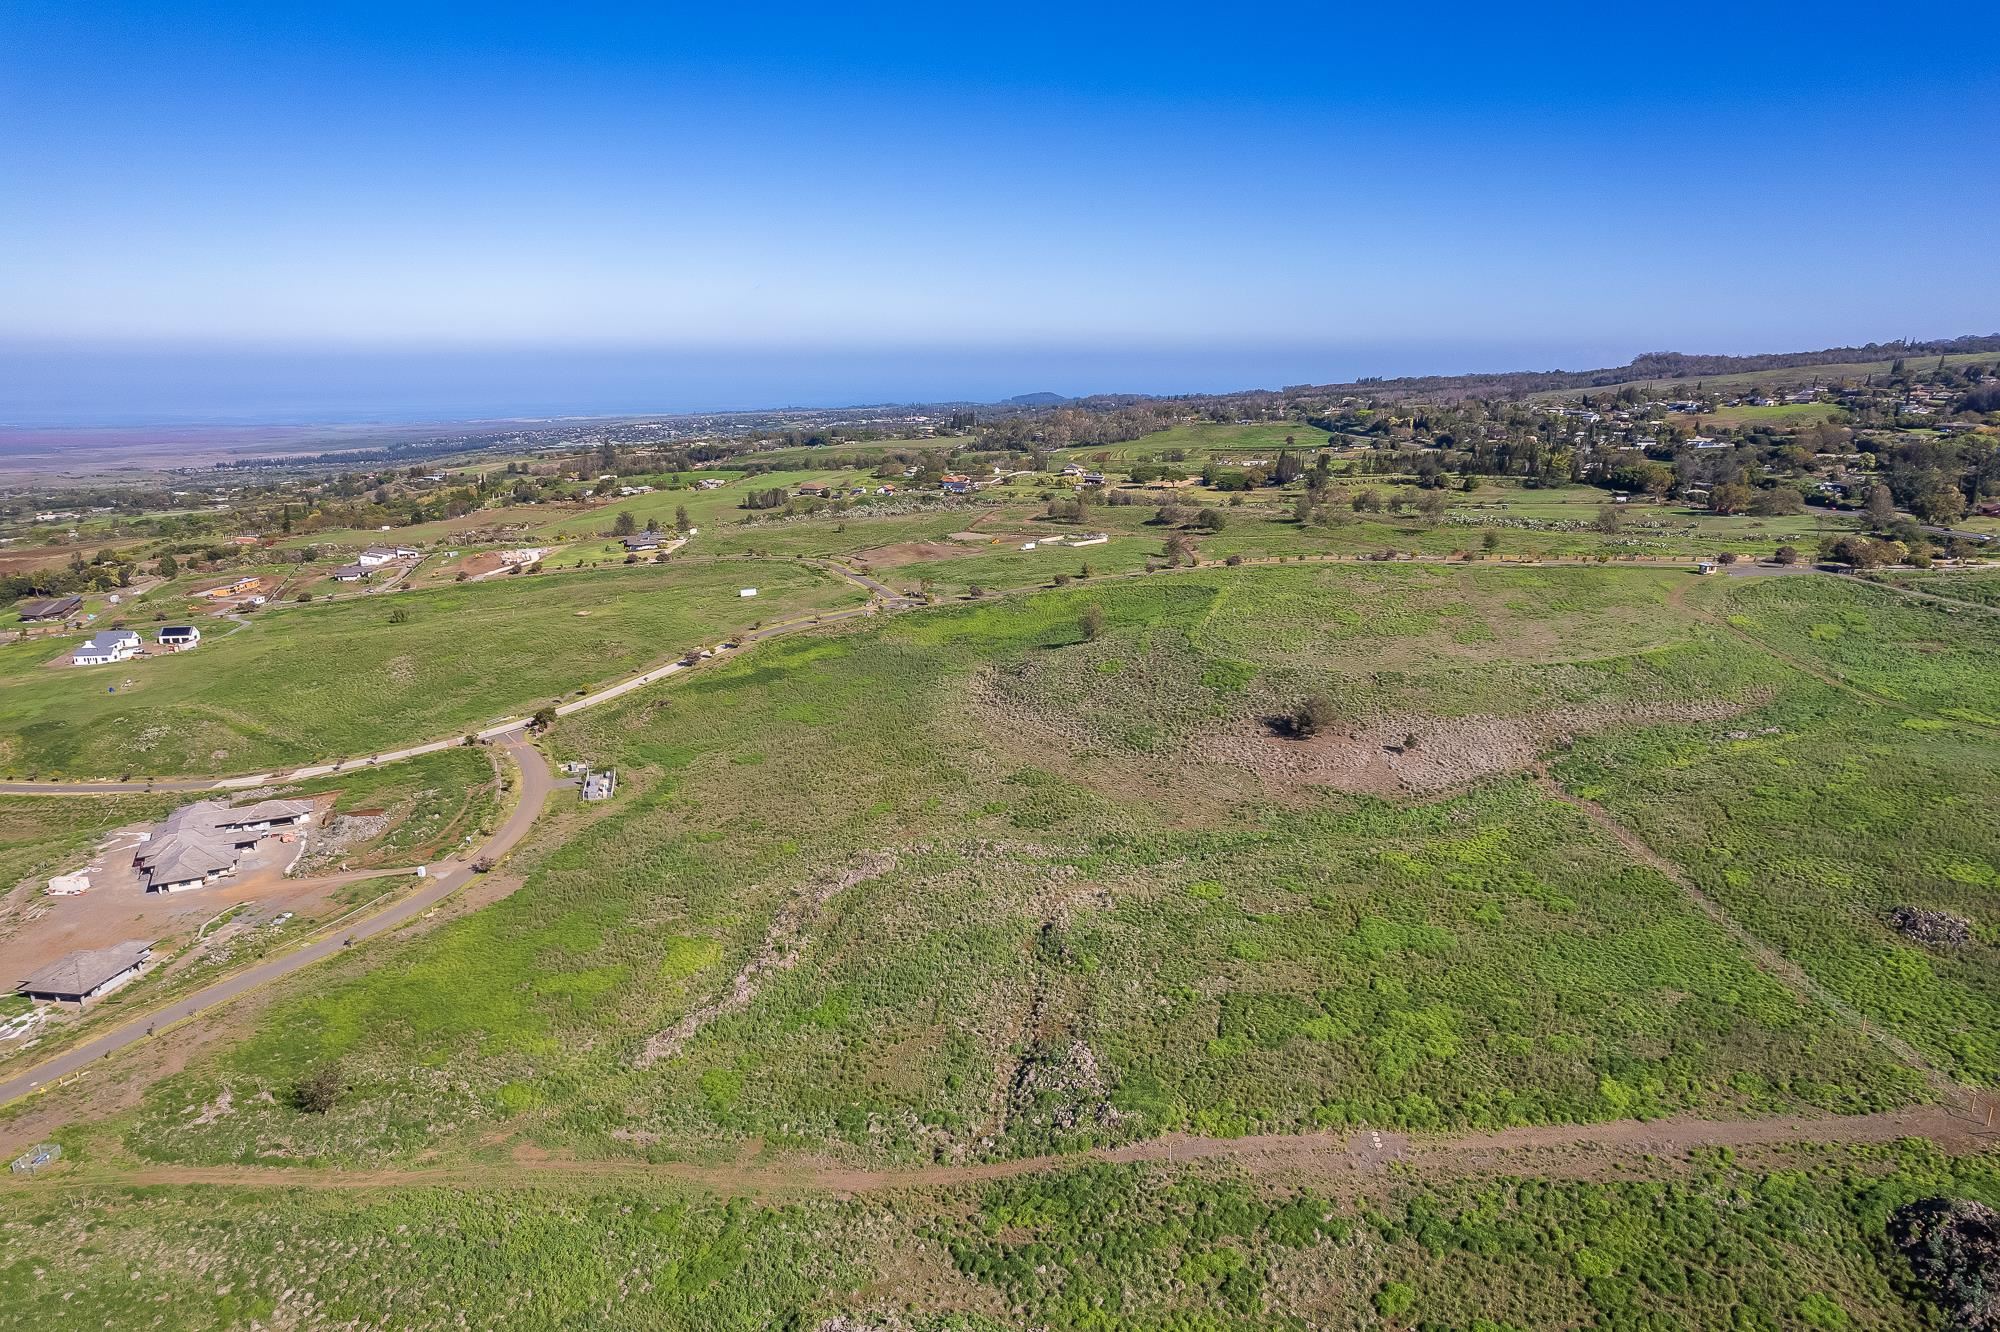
1796,1243
321,681
1201,440
1064,858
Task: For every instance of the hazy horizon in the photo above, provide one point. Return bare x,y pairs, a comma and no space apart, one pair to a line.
52,386
123,384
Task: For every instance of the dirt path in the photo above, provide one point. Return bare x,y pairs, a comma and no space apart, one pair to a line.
1768,958
1327,1160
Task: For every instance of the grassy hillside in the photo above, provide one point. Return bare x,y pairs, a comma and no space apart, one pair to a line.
313,682
1037,890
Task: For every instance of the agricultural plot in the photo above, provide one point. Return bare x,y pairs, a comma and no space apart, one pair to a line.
1980,588
315,682
1911,653
1202,440
1859,840
1798,1242
983,883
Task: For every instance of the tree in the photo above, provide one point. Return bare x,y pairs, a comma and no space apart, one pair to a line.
1430,505
1368,501
399,616
1778,502
169,567
1490,542
1861,552
1942,505
625,525
681,522
1729,497
543,719
1610,518
1787,555
1092,623
320,1089
1314,714
1881,506
1210,520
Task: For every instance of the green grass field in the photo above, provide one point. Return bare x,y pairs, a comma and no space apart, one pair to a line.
1034,875
316,682
1085,850
1776,413
1797,1244
1203,440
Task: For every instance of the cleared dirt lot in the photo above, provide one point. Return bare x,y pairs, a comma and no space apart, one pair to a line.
36,929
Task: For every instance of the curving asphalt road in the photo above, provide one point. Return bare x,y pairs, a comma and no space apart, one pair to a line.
443,879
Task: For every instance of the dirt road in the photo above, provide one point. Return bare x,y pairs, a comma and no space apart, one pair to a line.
1326,1160
443,879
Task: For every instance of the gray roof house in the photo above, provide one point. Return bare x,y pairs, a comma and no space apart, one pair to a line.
87,975
201,842
106,646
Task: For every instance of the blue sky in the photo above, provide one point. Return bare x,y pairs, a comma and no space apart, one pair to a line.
1035,189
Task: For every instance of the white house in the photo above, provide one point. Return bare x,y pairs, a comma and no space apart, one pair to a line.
109,646
375,556
180,637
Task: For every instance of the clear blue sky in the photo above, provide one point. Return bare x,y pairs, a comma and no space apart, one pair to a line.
1048,190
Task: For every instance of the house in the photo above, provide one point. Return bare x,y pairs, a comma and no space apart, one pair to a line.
50,608
1093,478
643,541
375,557
202,842
407,552
350,573
811,488
238,588
708,483
87,975
1705,566
109,646
600,785
179,637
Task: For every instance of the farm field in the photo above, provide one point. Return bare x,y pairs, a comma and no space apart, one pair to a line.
952,904
1117,905
1774,414
315,682
1792,1241
1202,440
1979,587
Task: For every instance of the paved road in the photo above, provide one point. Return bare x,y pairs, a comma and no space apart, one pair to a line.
445,877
